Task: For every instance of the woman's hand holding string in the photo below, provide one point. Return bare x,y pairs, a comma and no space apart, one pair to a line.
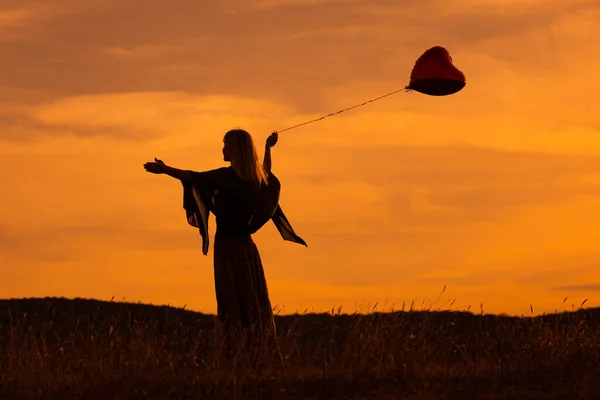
272,139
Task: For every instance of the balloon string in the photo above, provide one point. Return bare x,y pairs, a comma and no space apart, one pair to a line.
405,89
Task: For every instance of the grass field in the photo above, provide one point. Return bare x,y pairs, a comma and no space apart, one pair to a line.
87,349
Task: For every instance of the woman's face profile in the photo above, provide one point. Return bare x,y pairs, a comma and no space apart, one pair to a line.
225,151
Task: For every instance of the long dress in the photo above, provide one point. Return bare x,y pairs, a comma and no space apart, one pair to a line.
241,209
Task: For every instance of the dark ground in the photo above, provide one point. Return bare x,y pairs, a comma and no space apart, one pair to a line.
88,349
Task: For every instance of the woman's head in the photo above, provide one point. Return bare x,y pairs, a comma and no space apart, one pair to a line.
240,151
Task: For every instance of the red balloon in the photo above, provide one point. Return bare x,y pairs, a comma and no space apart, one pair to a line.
435,75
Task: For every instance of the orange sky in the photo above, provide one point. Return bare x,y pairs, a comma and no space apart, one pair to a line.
494,191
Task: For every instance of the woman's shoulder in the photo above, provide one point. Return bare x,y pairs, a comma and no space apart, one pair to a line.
217,175
272,180
222,171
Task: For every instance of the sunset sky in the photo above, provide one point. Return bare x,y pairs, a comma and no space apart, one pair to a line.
493,191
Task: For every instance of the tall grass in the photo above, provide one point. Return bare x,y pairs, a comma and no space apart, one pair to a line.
88,349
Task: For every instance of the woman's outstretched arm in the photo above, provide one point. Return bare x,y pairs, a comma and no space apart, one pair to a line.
159,167
271,141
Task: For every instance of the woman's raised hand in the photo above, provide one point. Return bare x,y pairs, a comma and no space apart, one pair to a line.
272,139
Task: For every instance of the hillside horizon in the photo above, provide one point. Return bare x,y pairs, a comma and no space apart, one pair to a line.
81,304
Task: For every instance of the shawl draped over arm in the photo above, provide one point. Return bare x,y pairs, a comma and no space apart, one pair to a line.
200,191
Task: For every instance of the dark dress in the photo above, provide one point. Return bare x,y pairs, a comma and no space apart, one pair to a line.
241,209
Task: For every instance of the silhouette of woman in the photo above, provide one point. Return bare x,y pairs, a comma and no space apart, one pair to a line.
243,197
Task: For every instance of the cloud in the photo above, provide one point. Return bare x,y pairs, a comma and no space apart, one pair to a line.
453,173
264,4
136,116
14,17
436,207
160,48
150,115
579,288
348,32
47,244
21,20
531,270
64,243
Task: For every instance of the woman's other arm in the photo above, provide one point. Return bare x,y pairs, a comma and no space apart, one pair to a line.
159,167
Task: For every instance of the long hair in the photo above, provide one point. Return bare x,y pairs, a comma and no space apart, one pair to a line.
244,158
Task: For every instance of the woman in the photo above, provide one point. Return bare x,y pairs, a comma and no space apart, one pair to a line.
243,197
